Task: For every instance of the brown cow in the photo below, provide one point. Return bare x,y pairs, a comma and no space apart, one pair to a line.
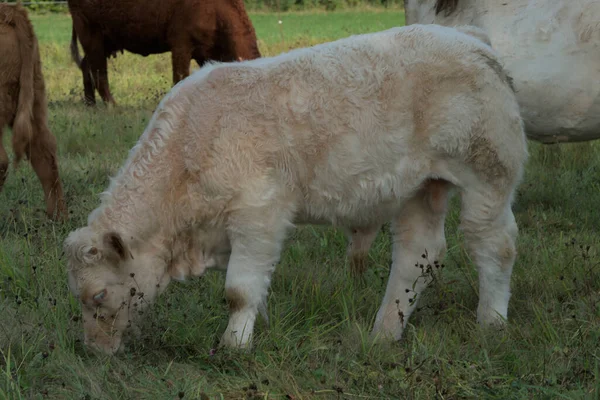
200,29
23,105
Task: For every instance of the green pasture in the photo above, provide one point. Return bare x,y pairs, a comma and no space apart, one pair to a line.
316,343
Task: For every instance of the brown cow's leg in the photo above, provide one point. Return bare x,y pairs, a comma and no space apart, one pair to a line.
44,162
3,158
201,60
99,66
5,109
88,83
103,88
95,56
204,45
91,40
181,58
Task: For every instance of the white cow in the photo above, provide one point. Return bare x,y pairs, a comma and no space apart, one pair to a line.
550,47
353,133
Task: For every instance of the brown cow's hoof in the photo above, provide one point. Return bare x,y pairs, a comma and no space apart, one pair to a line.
3,174
58,211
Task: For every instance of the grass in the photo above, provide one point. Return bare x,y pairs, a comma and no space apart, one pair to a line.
316,344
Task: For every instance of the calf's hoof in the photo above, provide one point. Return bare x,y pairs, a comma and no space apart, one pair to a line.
487,316
231,340
380,334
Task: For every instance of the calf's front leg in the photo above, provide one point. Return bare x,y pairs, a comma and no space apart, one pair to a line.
255,253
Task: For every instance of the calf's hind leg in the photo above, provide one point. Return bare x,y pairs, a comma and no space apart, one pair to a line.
418,239
490,233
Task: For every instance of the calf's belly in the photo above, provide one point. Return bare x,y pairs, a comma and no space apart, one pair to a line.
363,203
345,215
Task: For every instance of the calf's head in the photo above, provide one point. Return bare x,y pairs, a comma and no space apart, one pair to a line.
115,279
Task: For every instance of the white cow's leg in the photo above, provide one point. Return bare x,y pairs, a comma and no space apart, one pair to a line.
418,239
490,233
256,249
359,244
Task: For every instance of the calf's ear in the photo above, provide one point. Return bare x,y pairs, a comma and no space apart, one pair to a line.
79,246
114,247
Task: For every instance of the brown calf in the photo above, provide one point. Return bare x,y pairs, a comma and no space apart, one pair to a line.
23,105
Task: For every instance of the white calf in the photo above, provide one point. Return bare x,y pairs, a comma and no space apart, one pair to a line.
354,133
